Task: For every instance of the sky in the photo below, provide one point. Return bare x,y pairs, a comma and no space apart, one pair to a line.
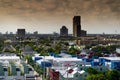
48,16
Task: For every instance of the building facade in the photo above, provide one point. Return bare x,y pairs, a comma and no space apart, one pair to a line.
77,26
21,33
77,32
83,33
64,31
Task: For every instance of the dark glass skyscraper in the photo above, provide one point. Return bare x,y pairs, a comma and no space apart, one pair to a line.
77,26
64,31
21,33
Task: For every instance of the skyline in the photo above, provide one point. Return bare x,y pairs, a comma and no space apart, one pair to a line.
48,16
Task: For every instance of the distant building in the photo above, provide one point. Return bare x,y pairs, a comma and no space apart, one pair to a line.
28,51
55,34
77,32
35,33
21,33
11,32
77,26
11,68
64,31
83,33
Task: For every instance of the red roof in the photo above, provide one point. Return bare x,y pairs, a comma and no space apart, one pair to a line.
70,70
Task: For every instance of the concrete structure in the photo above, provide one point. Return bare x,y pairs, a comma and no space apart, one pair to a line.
73,68
77,32
118,50
72,74
77,26
9,58
11,68
83,33
110,62
28,51
21,33
64,31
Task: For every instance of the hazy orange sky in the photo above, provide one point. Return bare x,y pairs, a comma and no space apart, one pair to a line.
47,16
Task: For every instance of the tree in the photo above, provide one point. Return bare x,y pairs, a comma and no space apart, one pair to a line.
99,49
72,50
44,53
112,48
36,67
57,49
50,50
39,49
91,71
113,75
96,77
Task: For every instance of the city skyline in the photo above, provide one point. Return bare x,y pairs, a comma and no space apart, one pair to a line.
48,16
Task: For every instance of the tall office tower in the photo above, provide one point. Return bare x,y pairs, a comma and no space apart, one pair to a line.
77,26
63,31
21,33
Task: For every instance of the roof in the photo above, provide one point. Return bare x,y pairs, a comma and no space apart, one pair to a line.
71,74
65,74
8,54
9,57
67,59
65,55
81,72
112,58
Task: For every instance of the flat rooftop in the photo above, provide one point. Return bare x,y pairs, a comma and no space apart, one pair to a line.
112,58
67,59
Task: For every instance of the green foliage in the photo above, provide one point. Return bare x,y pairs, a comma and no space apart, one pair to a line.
36,67
112,48
22,73
29,58
44,53
96,77
39,49
72,50
9,72
92,71
112,75
102,49
57,49
88,46
66,43
1,45
50,50
108,75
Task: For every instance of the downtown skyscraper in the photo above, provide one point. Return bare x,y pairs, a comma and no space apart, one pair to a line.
77,26
77,32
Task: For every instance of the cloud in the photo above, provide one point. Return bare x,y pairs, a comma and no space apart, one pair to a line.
62,7
37,12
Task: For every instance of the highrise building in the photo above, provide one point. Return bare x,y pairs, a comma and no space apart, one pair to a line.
21,33
35,33
64,31
77,32
77,26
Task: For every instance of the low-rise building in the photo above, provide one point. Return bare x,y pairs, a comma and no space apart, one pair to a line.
73,68
11,68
